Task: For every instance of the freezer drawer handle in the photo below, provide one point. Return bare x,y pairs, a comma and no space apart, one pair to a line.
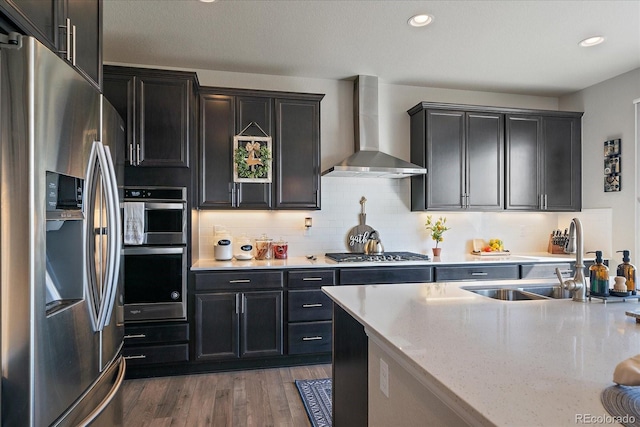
311,338
311,279
135,336
479,274
108,398
139,356
311,305
240,281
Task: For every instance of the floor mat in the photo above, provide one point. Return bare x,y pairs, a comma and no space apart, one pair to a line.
316,396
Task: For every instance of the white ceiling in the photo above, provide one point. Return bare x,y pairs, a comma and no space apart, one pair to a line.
521,47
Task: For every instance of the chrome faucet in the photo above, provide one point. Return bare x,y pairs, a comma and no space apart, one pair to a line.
577,285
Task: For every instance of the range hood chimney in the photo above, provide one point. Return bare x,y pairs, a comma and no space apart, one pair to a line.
368,160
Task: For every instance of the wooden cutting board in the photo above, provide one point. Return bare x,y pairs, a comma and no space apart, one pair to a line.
357,237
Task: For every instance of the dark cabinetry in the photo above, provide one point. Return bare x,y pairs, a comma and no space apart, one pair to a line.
149,344
385,275
480,272
309,312
158,109
544,162
231,324
71,27
463,147
463,153
293,122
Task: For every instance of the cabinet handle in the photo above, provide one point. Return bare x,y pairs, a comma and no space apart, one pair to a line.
479,274
311,338
237,303
240,281
138,155
132,161
545,202
311,279
242,305
126,337
311,305
67,28
139,356
73,44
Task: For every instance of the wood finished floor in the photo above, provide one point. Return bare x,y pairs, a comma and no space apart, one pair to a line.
265,397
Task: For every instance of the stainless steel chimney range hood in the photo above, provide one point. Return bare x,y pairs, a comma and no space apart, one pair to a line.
368,161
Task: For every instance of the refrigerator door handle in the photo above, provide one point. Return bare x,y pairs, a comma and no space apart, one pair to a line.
108,398
115,238
90,276
113,258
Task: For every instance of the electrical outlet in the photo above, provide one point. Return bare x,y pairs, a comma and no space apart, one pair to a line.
384,377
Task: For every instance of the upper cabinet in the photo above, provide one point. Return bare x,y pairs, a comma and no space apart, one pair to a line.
292,120
73,28
158,107
487,158
463,153
543,162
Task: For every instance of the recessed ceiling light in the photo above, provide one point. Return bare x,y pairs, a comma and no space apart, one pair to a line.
592,41
207,1
420,20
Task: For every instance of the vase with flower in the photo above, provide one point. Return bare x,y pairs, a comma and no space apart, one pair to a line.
436,229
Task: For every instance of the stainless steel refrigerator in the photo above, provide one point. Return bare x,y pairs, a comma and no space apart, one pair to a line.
61,303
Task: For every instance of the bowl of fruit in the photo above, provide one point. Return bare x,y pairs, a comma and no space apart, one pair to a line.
493,247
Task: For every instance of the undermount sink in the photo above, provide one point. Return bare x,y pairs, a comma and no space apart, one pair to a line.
528,293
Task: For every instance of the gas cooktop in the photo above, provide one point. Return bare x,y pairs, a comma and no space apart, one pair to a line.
385,257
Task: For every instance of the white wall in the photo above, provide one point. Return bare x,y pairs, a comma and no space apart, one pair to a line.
608,114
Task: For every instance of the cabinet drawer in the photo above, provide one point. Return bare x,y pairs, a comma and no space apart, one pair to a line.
309,305
545,271
147,355
363,276
305,278
309,337
480,272
239,280
151,334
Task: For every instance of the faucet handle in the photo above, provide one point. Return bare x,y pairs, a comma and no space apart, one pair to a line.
560,278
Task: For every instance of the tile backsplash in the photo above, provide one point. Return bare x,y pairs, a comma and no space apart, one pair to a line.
388,211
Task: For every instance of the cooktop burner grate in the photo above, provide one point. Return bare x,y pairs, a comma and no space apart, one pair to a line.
385,257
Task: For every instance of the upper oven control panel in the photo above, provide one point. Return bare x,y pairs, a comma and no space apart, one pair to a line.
156,193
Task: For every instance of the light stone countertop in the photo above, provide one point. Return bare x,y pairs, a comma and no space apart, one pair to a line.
322,262
512,363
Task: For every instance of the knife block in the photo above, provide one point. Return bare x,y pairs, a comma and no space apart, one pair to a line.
554,249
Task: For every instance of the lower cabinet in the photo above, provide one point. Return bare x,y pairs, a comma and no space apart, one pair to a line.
480,272
149,344
238,324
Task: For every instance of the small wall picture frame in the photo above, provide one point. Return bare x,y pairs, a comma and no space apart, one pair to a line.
612,165
252,159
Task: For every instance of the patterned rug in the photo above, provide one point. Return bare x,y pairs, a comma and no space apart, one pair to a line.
316,396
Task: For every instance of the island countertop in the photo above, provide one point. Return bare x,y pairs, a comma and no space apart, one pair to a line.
507,363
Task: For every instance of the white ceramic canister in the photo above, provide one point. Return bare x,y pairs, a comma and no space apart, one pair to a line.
222,244
243,248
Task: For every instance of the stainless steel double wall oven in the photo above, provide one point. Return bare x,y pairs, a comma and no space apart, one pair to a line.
156,269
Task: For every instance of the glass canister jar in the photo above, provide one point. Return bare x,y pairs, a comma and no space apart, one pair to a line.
243,249
264,247
280,249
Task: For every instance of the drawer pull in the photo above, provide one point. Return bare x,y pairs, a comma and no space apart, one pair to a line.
311,279
140,356
135,336
240,281
479,274
311,305
311,338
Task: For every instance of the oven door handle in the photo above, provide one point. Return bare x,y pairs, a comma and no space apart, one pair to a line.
155,206
145,250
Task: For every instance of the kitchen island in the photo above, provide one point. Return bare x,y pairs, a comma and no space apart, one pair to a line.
447,356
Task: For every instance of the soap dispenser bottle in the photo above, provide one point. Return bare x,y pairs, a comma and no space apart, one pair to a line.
598,277
628,271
